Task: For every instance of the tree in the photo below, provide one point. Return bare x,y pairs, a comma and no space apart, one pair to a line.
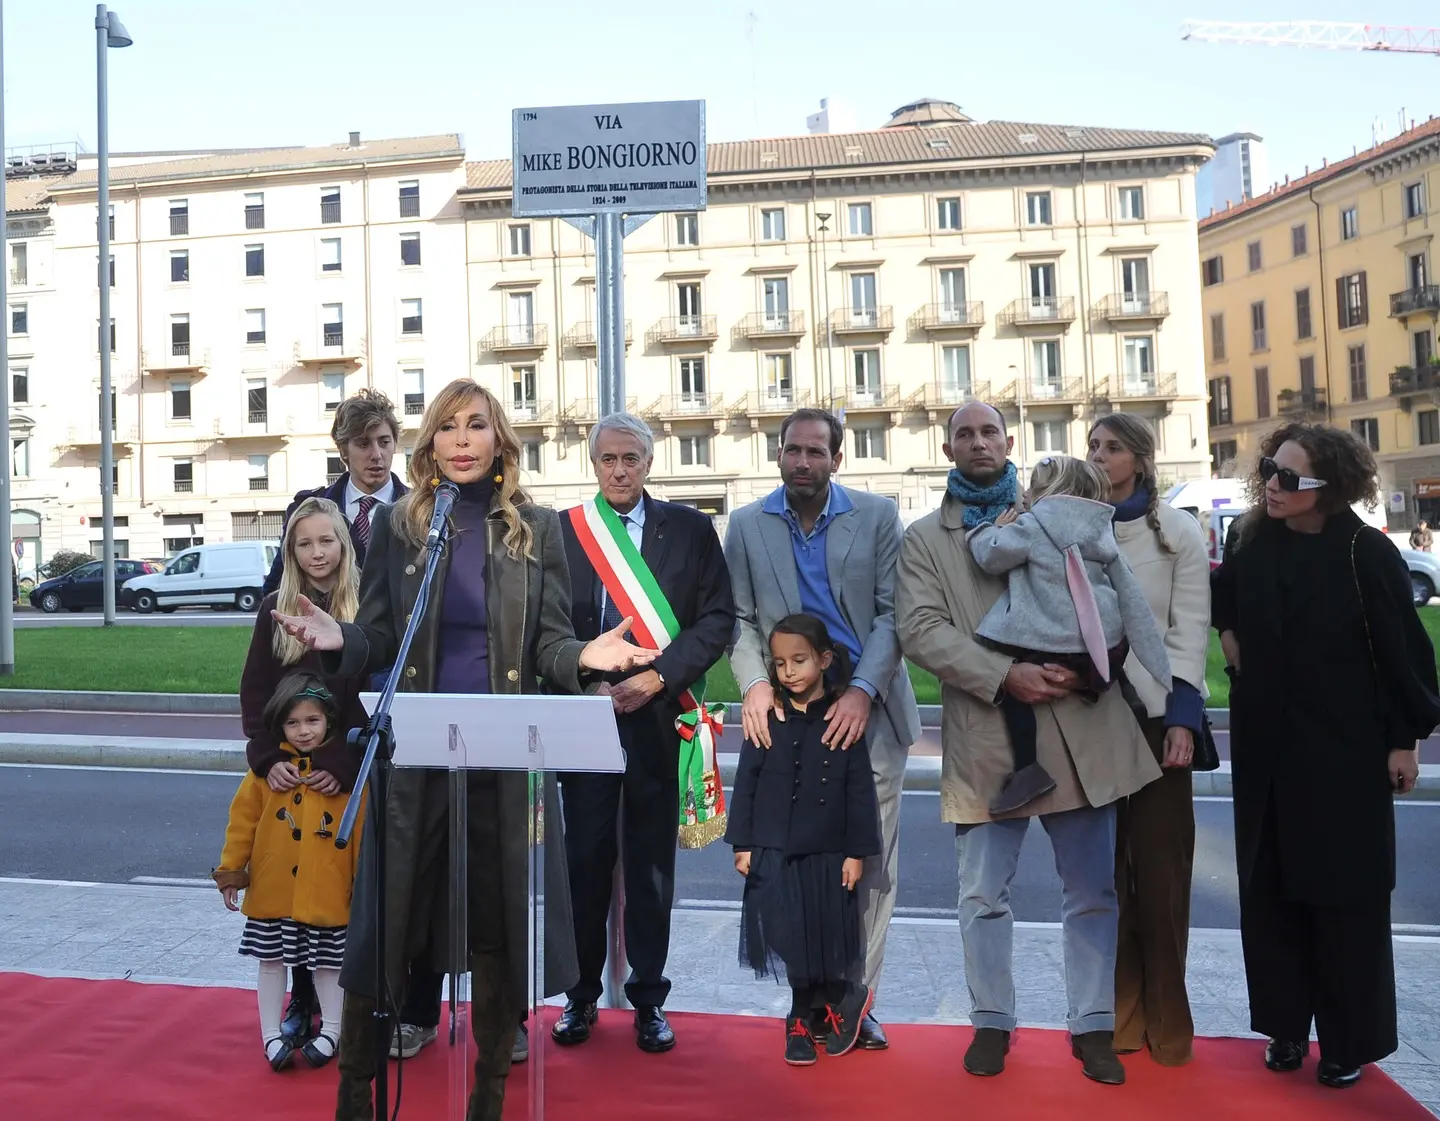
64,561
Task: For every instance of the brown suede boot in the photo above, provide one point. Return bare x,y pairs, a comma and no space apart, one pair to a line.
494,1011
354,1100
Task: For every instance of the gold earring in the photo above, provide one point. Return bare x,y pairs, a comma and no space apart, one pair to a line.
435,482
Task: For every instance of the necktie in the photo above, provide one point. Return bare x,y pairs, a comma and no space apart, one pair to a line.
610,616
361,524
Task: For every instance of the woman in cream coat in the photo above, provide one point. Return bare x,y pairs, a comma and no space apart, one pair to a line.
1155,828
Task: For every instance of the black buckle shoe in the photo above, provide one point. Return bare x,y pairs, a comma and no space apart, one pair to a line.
799,1043
845,1020
298,1023
1335,1076
575,1023
652,1030
1283,1056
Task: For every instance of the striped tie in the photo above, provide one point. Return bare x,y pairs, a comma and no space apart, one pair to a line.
361,524
610,616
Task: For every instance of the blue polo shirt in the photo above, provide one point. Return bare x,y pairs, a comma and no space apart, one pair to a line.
816,598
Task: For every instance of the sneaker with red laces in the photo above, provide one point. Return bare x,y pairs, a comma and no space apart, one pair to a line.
844,1020
799,1043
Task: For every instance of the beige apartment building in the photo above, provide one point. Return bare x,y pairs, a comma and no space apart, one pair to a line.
893,274
1321,304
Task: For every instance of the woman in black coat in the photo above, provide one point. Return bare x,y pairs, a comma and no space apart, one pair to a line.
498,621
1332,683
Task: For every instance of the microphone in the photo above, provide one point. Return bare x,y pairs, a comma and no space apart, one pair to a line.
445,495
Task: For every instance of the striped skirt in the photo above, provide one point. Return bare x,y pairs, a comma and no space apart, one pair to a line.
294,943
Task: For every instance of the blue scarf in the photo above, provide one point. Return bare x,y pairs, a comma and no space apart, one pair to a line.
984,504
1134,507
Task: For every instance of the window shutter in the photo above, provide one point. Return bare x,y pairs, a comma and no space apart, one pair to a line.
1364,302
1340,302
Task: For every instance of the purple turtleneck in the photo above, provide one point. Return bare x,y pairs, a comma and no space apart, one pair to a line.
463,648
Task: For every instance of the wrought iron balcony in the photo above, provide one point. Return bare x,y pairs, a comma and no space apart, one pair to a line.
178,358
679,405
770,402
1415,301
877,319
88,435
772,325
530,410
586,410
582,336
683,329
1060,391
1136,305
941,396
1039,309
516,336
871,398
1409,381
1301,402
1138,387
950,317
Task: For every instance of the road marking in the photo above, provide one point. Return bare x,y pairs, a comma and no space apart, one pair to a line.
170,881
232,775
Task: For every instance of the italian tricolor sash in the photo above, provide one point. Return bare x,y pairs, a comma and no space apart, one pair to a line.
631,585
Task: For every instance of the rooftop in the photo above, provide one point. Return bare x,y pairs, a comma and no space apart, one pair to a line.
27,193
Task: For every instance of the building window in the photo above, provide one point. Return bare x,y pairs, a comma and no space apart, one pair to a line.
180,400
1368,430
254,326
1417,272
259,472
1359,375
687,303
254,260
1262,392
519,241
778,387
329,205
20,458
1252,256
20,385
19,263
1354,300
947,216
524,391
772,447
99,336
692,383
868,443
182,475
1045,367
1428,423
1304,328
1132,204
1349,223
1423,347
411,319
19,319
1307,373
1212,271
180,336
1220,413
98,281
1217,337
862,219
772,225
1258,339
410,198
412,389
1222,454
257,401
179,217
955,383
1037,208
530,456
334,468
330,254
687,229
255,211
866,384
410,250
332,389
1299,240
111,223
695,451
332,320
1414,200
100,410
864,311
1051,436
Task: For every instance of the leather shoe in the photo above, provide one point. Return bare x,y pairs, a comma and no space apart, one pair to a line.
652,1029
1096,1052
985,1057
1335,1076
575,1023
298,1023
872,1035
1283,1056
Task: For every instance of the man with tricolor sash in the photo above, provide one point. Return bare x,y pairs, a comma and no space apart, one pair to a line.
661,564
816,547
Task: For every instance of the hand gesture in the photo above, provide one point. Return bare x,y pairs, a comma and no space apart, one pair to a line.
1404,769
742,863
760,702
323,782
1033,685
609,653
1008,516
283,776
310,625
230,896
847,718
1179,747
851,871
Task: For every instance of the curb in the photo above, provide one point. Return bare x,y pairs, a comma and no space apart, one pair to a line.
228,704
922,773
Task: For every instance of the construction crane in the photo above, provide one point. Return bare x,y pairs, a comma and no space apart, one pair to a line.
1319,34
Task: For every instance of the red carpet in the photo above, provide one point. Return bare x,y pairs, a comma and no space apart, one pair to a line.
117,1051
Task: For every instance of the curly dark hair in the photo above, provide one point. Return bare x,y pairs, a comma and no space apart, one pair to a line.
1336,455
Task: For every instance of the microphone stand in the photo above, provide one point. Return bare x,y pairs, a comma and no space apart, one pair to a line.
379,739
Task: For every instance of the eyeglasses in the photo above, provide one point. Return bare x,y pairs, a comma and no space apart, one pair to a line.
1289,480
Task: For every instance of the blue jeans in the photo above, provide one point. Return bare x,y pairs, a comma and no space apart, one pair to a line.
1084,844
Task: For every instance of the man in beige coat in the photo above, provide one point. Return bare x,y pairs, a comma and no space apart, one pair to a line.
1095,752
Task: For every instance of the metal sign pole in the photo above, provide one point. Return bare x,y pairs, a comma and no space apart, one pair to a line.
7,544
107,416
610,313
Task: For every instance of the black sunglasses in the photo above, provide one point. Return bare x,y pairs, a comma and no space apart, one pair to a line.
1289,480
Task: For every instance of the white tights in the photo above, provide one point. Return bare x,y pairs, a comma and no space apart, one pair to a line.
270,996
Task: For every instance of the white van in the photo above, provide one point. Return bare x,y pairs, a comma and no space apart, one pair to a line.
216,576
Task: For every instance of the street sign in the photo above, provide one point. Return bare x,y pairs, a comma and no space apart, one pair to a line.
641,158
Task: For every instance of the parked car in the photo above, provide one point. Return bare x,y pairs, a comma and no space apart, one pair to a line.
84,586
217,576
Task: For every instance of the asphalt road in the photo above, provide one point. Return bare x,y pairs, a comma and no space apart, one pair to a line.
114,826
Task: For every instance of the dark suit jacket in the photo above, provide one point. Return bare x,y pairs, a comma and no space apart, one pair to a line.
335,492
802,798
683,551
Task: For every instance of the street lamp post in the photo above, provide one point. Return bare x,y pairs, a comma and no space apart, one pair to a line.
7,544
829,326
109,32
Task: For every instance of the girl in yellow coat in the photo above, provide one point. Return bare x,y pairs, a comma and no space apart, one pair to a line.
280,848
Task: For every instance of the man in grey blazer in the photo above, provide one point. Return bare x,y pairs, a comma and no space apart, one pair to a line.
814,546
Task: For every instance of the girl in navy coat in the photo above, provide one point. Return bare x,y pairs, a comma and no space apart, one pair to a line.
803,818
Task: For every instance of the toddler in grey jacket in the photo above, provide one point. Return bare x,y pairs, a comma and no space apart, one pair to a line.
1070,600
